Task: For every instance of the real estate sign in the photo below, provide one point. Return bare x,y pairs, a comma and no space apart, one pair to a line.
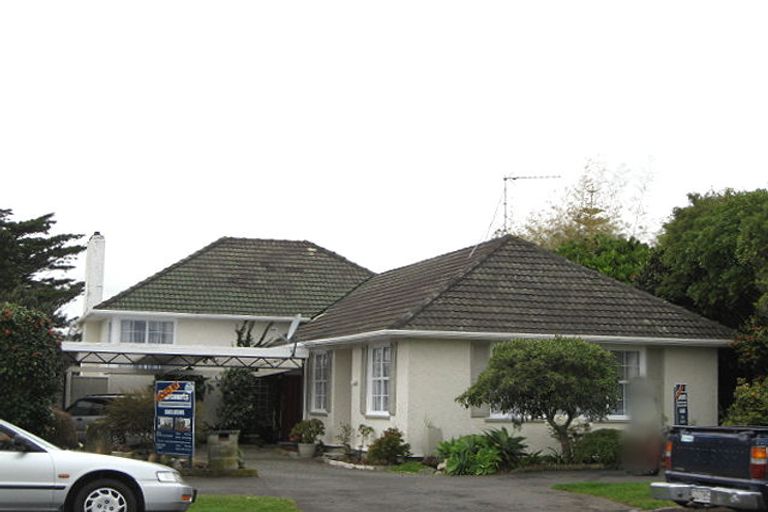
175,418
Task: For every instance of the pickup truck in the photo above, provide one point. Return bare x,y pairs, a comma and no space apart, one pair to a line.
715,466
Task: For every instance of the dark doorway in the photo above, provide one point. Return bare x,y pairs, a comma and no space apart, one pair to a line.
291,398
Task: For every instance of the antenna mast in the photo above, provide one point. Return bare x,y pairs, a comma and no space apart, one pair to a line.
515,178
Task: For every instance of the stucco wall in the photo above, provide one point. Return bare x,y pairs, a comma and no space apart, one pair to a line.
188,331
432,373
341,395
696,367
95,331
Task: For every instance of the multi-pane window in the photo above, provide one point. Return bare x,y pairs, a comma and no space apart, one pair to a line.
146,331
629,368
379,369
320,379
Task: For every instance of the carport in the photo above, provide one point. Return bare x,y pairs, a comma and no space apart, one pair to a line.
83,359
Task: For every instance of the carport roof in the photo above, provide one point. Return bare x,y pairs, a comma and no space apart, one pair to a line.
284,357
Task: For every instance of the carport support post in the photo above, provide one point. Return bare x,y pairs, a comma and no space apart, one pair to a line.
67,394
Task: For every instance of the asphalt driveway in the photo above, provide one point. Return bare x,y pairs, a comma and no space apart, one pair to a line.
318,487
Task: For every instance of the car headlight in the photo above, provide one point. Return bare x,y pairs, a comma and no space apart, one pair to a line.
168,477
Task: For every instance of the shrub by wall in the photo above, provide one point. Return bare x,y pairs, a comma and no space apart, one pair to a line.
389,448
602,446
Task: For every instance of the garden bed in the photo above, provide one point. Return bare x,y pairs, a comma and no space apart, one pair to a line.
220,473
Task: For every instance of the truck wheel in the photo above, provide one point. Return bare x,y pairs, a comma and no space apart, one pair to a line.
105,495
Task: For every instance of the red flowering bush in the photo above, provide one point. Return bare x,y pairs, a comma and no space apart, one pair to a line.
30,368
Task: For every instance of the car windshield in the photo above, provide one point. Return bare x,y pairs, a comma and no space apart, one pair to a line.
32,437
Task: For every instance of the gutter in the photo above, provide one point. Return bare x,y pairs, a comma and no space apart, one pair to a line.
504,336
110,313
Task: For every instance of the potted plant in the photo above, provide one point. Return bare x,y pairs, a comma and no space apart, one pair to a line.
306,433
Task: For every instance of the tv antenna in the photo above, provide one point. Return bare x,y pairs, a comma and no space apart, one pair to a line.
515,178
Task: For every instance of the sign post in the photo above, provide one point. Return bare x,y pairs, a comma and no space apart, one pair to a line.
681,404
175,418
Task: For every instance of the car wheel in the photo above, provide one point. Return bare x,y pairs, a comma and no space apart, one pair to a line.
105,496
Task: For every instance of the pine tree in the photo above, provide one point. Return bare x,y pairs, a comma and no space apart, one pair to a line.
33,263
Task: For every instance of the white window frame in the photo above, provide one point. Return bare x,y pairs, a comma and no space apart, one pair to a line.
497,415
326,381
370,411
641,372
118,329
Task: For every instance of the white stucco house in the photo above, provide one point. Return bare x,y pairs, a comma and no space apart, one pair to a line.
202,299
399,348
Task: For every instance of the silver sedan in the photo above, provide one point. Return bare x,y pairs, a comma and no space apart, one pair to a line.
36,475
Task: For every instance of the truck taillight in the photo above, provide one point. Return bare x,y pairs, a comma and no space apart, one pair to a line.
758,458
667,455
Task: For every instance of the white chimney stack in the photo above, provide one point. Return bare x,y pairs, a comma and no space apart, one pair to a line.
94,272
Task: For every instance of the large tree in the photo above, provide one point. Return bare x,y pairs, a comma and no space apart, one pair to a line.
601,203
558,380
32,264
712,257
620,258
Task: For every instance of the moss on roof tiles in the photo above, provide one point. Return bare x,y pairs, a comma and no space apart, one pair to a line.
506,285
245,276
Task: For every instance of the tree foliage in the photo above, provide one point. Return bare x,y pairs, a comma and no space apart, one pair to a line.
750,403
30,368
591,208
620,258
31,263
557,380
751,348
712,257
241,406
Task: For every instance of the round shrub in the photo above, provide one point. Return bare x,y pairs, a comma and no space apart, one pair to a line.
602,446
31,369
388,448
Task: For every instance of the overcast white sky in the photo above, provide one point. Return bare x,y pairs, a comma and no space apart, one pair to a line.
380,130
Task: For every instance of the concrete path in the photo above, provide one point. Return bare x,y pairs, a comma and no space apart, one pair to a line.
318,487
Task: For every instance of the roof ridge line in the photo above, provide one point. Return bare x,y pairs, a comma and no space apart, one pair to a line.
342,259
500,242
163,271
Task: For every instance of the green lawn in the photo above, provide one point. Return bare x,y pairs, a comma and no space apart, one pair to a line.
411,466
634,494
213,503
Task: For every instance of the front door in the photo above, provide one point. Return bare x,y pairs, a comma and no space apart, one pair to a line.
26,477
290,403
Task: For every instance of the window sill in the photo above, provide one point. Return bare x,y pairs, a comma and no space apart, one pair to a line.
318,413
377,415
617,419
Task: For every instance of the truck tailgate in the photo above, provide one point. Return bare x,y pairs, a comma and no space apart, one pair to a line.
725,454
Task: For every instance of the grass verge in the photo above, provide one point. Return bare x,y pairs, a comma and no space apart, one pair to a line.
410,467
213,503
634,494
